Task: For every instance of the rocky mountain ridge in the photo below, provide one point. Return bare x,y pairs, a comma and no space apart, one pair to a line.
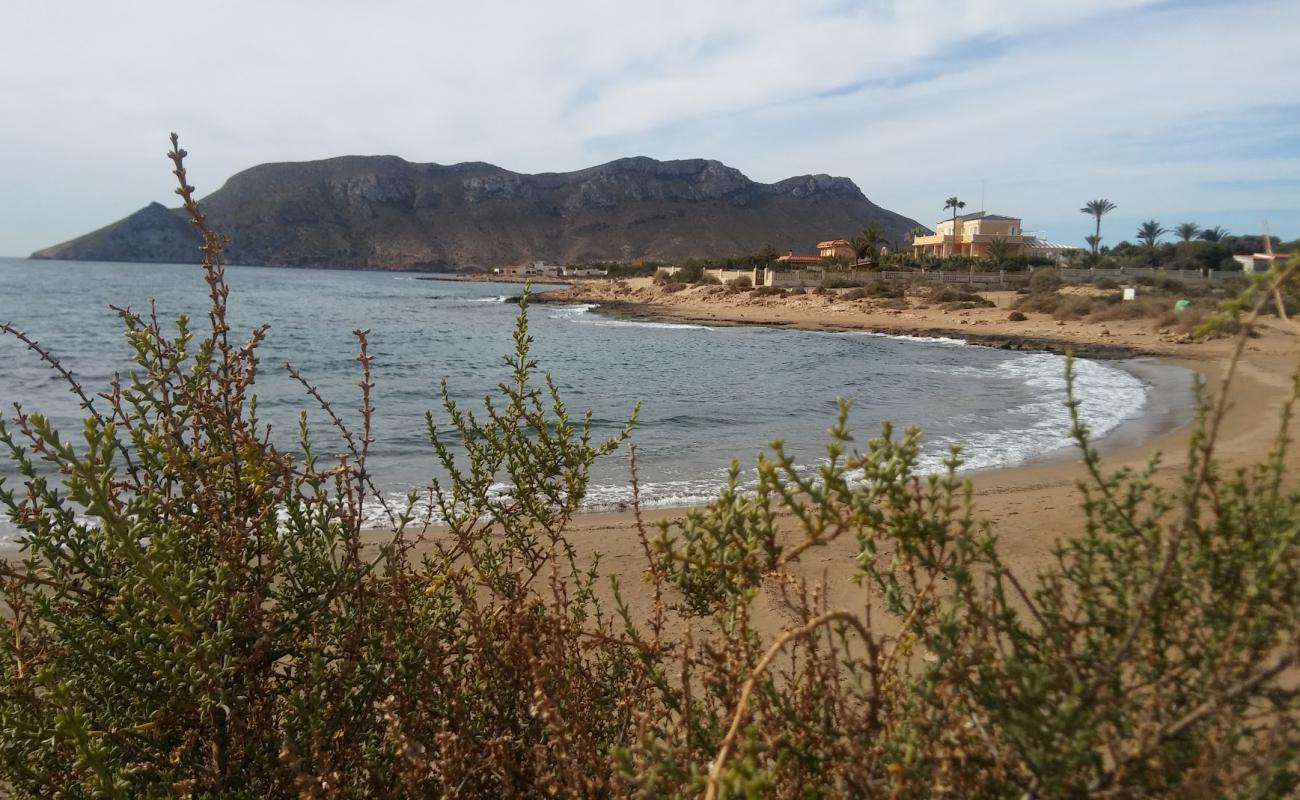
383,212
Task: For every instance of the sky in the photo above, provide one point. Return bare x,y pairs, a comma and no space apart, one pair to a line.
1174,111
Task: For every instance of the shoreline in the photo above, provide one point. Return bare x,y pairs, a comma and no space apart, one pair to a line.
649,312
1031,505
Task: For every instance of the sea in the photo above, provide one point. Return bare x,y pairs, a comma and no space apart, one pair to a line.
707,393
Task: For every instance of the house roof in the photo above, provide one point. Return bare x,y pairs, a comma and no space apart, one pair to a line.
801,259
1034,243
982,215
834,243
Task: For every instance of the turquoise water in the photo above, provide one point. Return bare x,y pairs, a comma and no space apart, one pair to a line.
708,394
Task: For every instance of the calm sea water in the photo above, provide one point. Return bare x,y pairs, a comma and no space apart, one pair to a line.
708,394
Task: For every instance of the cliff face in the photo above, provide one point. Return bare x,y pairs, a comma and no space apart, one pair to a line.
386,213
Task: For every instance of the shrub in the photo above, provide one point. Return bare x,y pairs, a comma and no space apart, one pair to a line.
1106,283
1073,307
1044,280
885,291
743,282
769,291
952,294
194,613
1016,316
855,294
1043,302
1138,308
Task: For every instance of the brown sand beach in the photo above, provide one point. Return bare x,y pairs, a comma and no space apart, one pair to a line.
1030,506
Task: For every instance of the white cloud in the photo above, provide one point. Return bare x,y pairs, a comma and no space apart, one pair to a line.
1048,103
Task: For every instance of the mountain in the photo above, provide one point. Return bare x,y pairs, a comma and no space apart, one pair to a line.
383,212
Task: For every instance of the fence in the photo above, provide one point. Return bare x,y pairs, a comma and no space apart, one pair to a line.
811,278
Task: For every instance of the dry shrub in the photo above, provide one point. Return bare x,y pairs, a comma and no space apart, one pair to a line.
952,294
1142,307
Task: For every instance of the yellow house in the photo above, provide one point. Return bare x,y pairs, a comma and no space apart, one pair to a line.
837,248
973,235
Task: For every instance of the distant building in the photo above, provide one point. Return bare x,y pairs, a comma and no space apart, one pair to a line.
531,268
582,272
1260,262
974,235
792,260
837,248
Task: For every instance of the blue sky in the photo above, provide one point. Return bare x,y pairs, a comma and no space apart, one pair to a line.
1177,111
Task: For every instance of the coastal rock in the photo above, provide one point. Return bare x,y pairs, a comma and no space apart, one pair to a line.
383,212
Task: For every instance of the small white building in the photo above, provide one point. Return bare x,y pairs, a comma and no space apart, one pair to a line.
531,268
583,272
1260,262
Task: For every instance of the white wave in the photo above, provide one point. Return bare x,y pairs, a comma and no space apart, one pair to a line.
498,299
1107,395
581,314
908,338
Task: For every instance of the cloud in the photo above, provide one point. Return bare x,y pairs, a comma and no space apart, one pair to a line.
1165,108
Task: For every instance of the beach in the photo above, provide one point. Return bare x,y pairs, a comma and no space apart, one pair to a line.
1031,506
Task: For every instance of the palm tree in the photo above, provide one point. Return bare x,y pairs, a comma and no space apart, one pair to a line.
1150,232
999,251
1098,209
955,205
866,245
1215,234
1187,230
1093,241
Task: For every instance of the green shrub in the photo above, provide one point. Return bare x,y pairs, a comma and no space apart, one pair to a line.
1106,283
194,614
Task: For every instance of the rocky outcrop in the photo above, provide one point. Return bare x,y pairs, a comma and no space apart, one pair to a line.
384,212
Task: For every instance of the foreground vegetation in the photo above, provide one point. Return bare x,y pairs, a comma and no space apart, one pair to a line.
194,613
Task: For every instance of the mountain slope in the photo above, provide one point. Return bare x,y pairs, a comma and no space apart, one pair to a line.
387,213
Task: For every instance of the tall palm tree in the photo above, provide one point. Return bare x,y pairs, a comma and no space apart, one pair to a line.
1150,232
955,205
1216,234
1187,230
1098,209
